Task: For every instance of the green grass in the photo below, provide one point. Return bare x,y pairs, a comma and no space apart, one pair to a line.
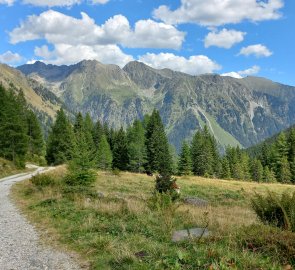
7,168
114,232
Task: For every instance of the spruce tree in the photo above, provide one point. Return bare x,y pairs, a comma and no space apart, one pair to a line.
225,173
158,155
136,147
185,162
257,170
120,151
291,144
268,175
36,141
61,140
284,171
104,154
98,131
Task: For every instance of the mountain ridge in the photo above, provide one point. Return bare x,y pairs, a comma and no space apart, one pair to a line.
238,111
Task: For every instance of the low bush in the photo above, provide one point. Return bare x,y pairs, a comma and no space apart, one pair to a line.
43,180
269,241
167,184
83,178
276,210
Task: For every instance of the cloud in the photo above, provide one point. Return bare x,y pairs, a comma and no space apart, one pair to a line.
7,2
10,57
239,74
217,12
56,27
196,64
71,54
224,38
56,3
258,50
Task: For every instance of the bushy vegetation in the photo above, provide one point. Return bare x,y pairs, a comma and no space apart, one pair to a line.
43,180
276,210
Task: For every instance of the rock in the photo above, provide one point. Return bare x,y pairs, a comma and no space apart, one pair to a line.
196,201
193,233
100,194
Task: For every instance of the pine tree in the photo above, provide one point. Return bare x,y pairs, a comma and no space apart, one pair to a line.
257,170
284,172
120,151
136,147
292,168
36,141
61,140
79,123
13,127
98,131
291,144
158,155
268,175
81,164
225,174
104,154
185,162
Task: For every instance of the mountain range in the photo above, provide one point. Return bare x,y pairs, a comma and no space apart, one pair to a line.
237,111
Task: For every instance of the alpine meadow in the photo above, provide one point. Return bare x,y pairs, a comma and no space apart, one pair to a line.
143,135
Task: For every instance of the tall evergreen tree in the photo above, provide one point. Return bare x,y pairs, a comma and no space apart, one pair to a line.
269,175
136,147
185,161
61,140
104,154
158,155
98,131
36,141
283,170
225,173
257,170
120,151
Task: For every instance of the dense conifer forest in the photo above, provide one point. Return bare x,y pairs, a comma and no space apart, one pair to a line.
143,147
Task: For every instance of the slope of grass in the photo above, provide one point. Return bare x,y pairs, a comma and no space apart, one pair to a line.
122,231
8,168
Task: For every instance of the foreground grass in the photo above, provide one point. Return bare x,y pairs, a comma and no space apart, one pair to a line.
122,230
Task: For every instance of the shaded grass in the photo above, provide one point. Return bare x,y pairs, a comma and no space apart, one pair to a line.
121,231
7,168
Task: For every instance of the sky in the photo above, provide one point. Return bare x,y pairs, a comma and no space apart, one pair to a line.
236,38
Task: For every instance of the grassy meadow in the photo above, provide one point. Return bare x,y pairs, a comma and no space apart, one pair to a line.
128,229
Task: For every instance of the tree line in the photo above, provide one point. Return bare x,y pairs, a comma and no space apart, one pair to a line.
142,147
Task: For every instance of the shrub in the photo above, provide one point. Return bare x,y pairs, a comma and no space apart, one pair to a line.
270,241
167,184
43,180
275,210
83,178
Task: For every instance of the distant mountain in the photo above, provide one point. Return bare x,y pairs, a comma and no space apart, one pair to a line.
237,111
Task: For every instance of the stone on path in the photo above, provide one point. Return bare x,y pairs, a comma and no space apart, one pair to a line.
193,233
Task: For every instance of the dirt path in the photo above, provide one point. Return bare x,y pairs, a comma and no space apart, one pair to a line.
20,248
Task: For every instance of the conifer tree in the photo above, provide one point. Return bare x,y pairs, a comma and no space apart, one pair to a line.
257,170
292,168
185,162
225,174
269,175
61,140
36,141
158,155
136,147
284,172
120,151
291,144
98,131
79,123
104,154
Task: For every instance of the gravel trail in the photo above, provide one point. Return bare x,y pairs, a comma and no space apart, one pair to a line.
20,248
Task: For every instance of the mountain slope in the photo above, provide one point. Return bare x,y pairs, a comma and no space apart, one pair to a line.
237,111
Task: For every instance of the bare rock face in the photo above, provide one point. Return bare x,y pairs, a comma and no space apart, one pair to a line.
237,111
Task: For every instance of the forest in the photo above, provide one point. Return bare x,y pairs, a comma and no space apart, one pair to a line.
143,147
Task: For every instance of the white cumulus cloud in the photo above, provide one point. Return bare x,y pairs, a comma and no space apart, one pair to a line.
196,64
240,74
7,2
224,38
57,27
219,12
10,58
258,50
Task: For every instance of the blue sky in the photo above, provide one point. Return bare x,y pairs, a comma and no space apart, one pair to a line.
231,37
